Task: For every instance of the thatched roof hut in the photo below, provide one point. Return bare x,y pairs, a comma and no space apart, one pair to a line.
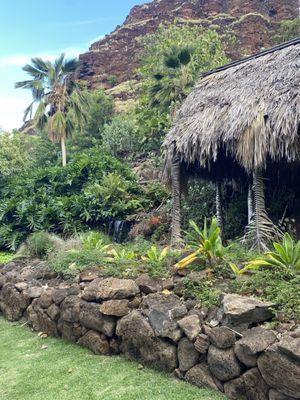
240,117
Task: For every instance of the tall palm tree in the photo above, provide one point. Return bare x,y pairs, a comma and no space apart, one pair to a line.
174,80
54,93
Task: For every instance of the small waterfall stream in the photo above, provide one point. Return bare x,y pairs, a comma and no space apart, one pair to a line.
118,230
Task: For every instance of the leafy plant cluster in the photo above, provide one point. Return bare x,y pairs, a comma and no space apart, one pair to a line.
95,249
93,188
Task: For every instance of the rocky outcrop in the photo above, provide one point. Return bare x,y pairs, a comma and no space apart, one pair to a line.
251,22
160,329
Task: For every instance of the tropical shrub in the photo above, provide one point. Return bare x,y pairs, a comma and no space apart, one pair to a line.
207,244
285,255
40,244
93,188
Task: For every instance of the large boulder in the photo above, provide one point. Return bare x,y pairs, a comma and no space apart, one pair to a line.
163,312
40,321
96,342
188,356
191,326
280,371
253,342
46,300
12,302
114,288
70,309
249,386
117,308
274,395
201,376
140,343
221,337
69,331
223,363
62,291
91,318
291,347
242,311
148,285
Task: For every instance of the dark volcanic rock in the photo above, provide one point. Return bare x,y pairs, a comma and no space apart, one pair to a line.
117,308
12,302
70,309
188,356
91,318
254,341
223,363
95,342
280,371
291,347
200,376
274,395
147,284
241,311
252,22
140,343
202,343
191,326
221,337
249,386
114,288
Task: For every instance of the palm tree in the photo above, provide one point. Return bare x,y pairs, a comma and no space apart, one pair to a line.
174,80
260,231
54,93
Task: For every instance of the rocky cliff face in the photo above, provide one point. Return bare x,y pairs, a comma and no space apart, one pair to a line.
250,21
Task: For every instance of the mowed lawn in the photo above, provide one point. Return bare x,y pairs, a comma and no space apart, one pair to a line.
64,371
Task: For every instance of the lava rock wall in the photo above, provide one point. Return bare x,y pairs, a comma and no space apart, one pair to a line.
228,350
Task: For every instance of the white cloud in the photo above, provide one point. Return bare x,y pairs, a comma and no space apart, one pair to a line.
19,60
12,110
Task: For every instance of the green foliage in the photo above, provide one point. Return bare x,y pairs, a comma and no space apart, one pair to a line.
14,153
288,30
5,257
207,244
278,285
40,244
54,93
112,80
172,61
94,240
285,255
204,292
91,189
119,136
99,113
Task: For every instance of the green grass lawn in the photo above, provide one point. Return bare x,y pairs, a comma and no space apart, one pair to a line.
64,371
5,257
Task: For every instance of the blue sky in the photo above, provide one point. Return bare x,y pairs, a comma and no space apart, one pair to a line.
47,28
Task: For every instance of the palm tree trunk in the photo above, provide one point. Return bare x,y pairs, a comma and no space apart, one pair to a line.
219,211
250,203
63,151
176,238
261,231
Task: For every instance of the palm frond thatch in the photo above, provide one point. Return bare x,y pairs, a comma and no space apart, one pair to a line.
250,111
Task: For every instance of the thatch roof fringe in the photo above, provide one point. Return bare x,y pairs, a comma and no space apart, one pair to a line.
250,110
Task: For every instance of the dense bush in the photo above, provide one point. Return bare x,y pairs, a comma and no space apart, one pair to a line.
90,190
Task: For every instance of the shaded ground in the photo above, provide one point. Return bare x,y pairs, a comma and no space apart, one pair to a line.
65,371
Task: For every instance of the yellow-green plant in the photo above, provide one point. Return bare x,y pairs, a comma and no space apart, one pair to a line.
207,242
156,256
120,255
284,255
